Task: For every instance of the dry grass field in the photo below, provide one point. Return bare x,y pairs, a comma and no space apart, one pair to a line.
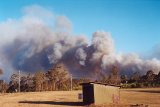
150,96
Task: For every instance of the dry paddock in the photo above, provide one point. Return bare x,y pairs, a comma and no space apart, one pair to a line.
149,96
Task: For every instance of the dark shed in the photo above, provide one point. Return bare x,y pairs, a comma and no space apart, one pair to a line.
99,93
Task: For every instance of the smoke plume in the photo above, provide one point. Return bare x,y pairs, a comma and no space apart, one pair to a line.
40,39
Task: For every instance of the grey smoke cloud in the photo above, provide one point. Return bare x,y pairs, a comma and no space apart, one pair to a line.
40,39
81,55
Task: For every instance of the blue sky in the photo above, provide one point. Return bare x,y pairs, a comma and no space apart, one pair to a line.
134,24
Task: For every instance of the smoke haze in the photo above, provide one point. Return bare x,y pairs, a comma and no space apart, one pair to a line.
40,39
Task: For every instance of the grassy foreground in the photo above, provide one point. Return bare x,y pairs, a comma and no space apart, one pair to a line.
147,96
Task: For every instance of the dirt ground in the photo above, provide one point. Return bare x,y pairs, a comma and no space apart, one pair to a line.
150,96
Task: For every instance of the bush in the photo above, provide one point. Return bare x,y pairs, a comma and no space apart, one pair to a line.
133,85
139,85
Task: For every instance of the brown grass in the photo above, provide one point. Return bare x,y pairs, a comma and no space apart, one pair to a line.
147,96
150,97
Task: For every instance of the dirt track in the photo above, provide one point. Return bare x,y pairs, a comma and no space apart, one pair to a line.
149,97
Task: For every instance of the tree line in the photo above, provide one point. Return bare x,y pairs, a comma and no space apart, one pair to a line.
150,79
58,78
135,80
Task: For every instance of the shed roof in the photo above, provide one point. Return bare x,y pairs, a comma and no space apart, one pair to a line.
88,83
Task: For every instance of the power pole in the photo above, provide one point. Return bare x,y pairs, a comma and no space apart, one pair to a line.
19,82
71,82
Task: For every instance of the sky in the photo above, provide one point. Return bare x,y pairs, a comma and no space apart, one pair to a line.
133,24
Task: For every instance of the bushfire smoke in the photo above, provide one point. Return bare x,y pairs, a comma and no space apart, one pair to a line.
40,39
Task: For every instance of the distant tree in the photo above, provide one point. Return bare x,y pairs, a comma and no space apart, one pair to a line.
13,84
104,79
14,78
1,71
38,80
3,86
150,76
114,77
23,83
46,85
135,77
52,76
57,76
30,83
27,83
157,78
124,78
1,82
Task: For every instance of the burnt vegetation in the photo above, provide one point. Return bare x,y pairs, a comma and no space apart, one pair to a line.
58,78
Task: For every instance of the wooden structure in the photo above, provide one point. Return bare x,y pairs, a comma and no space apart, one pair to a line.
98,93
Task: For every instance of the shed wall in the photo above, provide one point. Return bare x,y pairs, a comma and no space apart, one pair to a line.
106,94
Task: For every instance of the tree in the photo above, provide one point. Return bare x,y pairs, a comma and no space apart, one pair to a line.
13,84
157,78
38,80
1,71
150,76
57,76
114,78
23,83
3,86
124,78
30,83
135,77
27,83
